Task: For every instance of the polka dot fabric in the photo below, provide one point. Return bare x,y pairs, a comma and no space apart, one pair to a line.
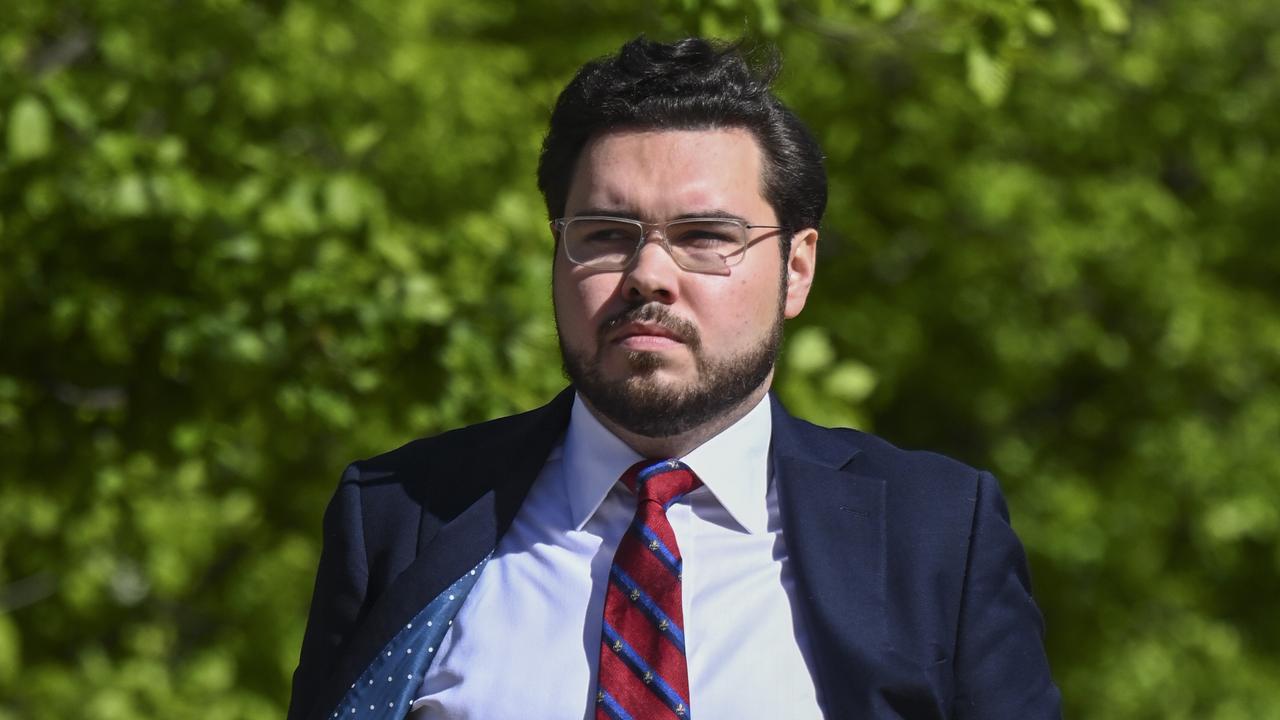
386,688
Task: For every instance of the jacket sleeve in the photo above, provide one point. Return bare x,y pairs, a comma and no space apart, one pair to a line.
1001,667
340,590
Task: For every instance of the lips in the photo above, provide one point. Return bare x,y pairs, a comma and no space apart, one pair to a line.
640,329
648,324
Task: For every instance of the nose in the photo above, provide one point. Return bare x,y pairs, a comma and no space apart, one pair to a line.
653,274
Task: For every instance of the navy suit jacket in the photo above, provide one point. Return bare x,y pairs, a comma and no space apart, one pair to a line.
914,588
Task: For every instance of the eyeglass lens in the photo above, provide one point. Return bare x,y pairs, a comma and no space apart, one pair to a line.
695,244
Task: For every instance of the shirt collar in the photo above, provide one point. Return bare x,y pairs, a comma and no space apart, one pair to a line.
733,465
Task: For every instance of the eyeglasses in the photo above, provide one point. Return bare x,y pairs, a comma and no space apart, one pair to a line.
704,245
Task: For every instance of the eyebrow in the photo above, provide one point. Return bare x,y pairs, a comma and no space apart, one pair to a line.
632,215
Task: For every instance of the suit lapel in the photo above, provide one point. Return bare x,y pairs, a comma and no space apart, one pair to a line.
834,523
506,464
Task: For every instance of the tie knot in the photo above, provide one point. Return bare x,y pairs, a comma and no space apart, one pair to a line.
663,481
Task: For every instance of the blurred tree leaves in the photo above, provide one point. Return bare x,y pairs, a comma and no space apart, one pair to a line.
242,243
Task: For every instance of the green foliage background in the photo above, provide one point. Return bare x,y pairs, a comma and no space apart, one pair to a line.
243,242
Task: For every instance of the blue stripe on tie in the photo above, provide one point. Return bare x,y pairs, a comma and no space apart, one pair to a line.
661,468
663,553
640,668
657,468
674,499
612,708
650,608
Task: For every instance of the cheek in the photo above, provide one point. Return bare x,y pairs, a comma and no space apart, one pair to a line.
754,300
579,304
583,294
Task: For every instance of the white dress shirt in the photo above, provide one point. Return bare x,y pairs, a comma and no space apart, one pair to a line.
526,642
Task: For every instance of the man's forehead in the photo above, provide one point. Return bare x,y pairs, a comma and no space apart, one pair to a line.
705,172
628,213
706,139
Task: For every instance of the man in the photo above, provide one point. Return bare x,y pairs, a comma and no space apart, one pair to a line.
663,539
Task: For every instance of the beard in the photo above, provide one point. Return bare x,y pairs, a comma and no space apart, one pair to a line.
640,403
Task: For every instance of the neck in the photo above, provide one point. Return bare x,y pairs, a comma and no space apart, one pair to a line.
677,446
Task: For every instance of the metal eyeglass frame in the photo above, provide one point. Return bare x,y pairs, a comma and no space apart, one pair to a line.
559,224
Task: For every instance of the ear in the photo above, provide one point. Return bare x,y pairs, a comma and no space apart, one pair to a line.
801,264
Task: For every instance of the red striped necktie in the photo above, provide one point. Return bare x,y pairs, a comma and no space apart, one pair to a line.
643,674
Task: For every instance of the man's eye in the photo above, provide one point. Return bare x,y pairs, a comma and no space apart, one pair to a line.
601,232
706,238
608,235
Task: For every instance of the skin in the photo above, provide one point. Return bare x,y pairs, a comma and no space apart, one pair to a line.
711,319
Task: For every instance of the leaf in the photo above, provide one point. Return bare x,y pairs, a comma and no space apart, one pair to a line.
343,200
988,76
885,9
770,17
809,350
1112,17
10,649
30,130
851,381
131,196
1040,22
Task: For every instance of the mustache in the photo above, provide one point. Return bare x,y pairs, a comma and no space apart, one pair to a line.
656,314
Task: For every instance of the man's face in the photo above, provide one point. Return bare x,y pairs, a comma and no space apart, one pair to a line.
658,349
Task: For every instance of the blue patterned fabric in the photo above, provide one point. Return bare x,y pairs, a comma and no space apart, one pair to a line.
386,688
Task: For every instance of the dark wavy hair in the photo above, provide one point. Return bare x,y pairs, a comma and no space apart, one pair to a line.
691,84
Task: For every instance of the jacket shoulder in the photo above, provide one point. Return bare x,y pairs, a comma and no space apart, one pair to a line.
868,454
464,449
892,461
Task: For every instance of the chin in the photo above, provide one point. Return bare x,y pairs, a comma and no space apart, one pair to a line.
658,394
646,363
624,365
